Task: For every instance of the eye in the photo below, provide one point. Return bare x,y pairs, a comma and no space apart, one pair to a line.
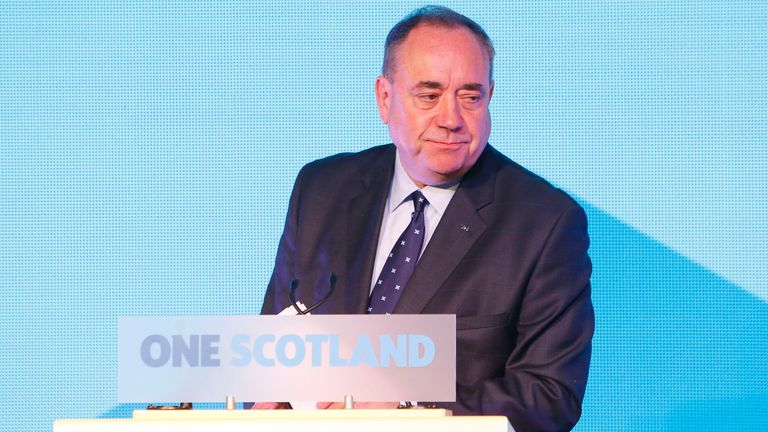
472,101
427,100
428,97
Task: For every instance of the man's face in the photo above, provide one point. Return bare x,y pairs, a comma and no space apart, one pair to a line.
436,104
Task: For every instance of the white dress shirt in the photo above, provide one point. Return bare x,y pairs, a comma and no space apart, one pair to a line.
397,213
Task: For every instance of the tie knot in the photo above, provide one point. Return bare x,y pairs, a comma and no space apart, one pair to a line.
419,201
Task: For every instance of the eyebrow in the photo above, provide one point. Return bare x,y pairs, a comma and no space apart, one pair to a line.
436,85
429,85
474,87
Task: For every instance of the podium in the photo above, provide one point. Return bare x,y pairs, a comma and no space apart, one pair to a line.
354,420
286,357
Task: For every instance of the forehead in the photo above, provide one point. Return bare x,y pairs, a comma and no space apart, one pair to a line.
432,53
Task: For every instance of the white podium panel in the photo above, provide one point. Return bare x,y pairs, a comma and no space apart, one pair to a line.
422,420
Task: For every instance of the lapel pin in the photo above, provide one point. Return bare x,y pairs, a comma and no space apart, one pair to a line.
464,228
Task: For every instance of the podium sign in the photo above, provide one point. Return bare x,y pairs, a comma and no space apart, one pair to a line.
281,358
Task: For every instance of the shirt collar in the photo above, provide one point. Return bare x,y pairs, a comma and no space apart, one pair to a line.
403,186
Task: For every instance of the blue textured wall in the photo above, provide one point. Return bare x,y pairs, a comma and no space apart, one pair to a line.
147,151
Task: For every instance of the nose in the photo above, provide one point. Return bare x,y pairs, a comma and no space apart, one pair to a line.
449,114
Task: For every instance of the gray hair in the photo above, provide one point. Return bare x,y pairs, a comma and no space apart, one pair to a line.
439,16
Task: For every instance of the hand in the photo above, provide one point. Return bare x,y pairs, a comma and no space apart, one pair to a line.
271,405
359,405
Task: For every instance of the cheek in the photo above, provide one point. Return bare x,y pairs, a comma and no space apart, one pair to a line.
478,145
481,129
413,130
485,125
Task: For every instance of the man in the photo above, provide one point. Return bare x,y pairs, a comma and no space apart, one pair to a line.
502,249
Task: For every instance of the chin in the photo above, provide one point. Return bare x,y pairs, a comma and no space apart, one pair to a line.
439,177
447,168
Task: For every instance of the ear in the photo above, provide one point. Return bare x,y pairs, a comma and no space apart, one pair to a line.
383,97
490,93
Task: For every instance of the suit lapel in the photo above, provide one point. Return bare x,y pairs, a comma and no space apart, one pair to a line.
364,215
459,229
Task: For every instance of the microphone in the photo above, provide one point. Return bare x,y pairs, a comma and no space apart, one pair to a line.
292,294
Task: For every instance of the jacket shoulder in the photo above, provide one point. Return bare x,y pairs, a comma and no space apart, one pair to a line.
348,164
515,181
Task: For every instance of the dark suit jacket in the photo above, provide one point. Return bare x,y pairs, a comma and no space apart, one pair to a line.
509,258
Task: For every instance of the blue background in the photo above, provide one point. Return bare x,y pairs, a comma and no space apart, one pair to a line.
148,149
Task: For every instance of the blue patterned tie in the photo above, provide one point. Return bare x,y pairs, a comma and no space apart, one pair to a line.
401,261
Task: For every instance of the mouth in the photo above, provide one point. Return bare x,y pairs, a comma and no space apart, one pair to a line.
448,143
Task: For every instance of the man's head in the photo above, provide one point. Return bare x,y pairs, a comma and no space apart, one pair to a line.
434,93
437,16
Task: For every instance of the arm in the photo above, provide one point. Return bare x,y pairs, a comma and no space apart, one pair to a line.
276,298
545,375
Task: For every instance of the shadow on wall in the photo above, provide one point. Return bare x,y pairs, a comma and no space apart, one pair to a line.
676,346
